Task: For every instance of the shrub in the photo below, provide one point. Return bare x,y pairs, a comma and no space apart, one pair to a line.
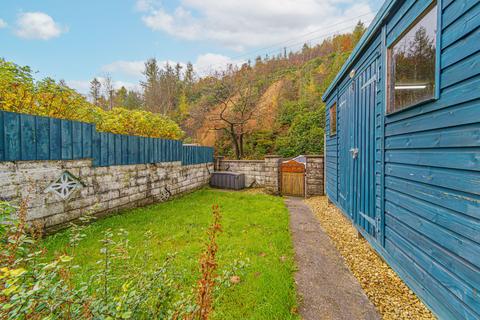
19,92
305,136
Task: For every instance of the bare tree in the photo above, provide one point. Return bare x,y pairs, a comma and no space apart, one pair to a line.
236,94
108,91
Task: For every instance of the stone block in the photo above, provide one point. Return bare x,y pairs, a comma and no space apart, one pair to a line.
45,211
118,202
137,196
7,167
82,203
109,195
100,171
76,164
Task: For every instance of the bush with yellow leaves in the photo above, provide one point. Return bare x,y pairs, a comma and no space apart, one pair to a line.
19,92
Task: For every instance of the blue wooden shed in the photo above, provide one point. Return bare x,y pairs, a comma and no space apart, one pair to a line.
403,147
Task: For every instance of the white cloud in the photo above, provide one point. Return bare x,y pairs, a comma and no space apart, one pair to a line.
37,25
81,86
249,23
146,5
128,85
210,62
130,68
3,24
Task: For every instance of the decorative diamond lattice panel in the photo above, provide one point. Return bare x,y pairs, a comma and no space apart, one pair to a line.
165,194
65,185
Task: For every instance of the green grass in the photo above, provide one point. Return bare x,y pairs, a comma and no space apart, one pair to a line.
255,228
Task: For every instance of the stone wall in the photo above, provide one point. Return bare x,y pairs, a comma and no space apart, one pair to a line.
272,174
101,190
266,173
314,176
254,170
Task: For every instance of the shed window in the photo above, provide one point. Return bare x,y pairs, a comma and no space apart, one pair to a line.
412,63
333,120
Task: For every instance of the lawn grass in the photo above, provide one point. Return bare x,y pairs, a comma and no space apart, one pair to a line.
255,228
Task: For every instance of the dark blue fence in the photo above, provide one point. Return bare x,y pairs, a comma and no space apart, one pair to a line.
27,137
196,155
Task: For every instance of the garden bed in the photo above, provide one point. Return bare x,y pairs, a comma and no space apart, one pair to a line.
255,246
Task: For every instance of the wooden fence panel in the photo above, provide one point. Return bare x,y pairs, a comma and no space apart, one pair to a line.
196,155
55,140
66,138
27,137
12,137
27,134
43,138
77,140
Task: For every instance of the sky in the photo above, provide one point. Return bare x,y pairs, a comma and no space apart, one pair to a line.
77,40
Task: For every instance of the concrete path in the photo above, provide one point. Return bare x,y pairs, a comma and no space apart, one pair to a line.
327,288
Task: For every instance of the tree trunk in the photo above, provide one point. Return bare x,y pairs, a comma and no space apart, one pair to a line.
233,137
240,145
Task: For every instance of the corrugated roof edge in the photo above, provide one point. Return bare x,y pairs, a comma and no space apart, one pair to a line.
364,40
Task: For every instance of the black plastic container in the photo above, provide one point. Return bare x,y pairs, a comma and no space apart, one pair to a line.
228,180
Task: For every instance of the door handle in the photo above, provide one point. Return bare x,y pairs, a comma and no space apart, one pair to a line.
354,152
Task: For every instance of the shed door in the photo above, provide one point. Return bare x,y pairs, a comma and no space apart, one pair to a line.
363,152
346,143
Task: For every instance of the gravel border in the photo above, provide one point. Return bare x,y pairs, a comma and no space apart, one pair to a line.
390,295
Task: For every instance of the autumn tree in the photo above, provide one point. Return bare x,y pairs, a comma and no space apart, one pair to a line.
150,85
120,97
358,32
108,92
133,100
170,87
188,81
95,91
236,94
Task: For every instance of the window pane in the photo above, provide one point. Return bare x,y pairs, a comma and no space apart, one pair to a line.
412,64
333,120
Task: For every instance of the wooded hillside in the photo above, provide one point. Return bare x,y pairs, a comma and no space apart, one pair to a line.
269,106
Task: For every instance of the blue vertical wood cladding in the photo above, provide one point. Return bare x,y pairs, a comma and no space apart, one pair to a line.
162,147
131,150
141,149
151,154
12,137
27,132
77,152
66,138
196,155
426,159
170,150
96,148
332,155
124,150
111,149
42,138
118,148
103,149
87,140
55,139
